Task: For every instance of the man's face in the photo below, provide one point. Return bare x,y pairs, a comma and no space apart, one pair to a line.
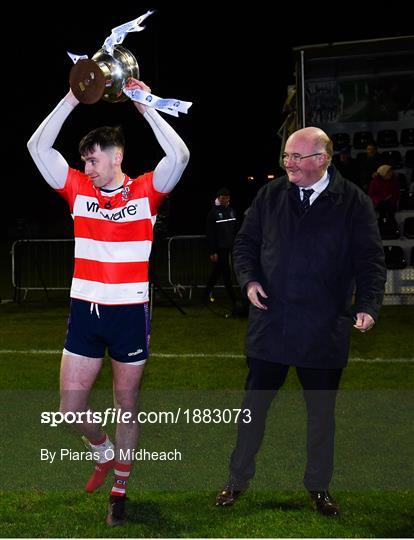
371,150
101,165
307,171
224,200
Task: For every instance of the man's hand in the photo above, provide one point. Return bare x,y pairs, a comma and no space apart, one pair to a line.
253,290
364,322
71,99
132,84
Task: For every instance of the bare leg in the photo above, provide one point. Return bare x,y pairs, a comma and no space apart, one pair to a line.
77,376
127,381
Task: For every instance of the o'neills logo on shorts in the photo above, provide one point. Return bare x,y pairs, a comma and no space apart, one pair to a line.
138,351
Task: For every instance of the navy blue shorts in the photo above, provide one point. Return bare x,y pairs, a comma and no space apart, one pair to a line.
124,330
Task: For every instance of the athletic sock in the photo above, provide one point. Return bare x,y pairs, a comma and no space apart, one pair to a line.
122,472
100,441
104,452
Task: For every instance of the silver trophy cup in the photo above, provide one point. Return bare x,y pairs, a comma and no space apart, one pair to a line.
104,76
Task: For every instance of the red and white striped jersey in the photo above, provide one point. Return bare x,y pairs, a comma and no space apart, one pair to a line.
112,241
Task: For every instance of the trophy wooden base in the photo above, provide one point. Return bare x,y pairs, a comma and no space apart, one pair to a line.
87,81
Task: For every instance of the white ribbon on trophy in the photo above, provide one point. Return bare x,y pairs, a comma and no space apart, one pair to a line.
119,32
169,106
76,57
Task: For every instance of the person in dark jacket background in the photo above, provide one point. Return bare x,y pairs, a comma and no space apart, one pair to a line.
347,165
221,230
309,239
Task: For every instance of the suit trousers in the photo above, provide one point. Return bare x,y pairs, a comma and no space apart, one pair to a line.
319,390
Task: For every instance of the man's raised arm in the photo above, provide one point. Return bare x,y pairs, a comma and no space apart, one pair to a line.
51,164
169,170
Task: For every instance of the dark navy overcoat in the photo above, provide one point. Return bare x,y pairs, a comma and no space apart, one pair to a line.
309,264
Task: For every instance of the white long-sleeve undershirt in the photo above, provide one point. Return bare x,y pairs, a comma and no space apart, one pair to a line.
54,168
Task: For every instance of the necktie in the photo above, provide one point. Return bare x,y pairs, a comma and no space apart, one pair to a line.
306,193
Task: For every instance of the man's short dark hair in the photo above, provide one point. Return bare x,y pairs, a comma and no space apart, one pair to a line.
104,137
223,191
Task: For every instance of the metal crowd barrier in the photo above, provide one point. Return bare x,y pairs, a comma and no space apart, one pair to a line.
188,262
188,265
45,265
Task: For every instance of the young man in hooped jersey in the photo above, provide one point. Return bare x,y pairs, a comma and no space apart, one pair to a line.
113,221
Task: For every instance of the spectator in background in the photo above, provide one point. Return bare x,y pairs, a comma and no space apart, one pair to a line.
384,190
347,165
221,230
368,165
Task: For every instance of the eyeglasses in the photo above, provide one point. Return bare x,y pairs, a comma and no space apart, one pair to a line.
297,158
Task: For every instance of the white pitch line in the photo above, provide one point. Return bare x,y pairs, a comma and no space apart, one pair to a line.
207,355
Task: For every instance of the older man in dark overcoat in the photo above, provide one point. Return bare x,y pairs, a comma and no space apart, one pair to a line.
308,247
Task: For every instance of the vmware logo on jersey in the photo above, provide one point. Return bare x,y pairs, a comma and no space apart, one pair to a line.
130,210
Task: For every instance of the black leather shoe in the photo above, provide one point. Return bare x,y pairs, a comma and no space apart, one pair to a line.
228,495
116,511
324,503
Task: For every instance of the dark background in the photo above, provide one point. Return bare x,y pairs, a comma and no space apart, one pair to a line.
233,63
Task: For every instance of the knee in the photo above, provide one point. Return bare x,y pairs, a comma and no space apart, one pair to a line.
67,406
73,401
126,401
